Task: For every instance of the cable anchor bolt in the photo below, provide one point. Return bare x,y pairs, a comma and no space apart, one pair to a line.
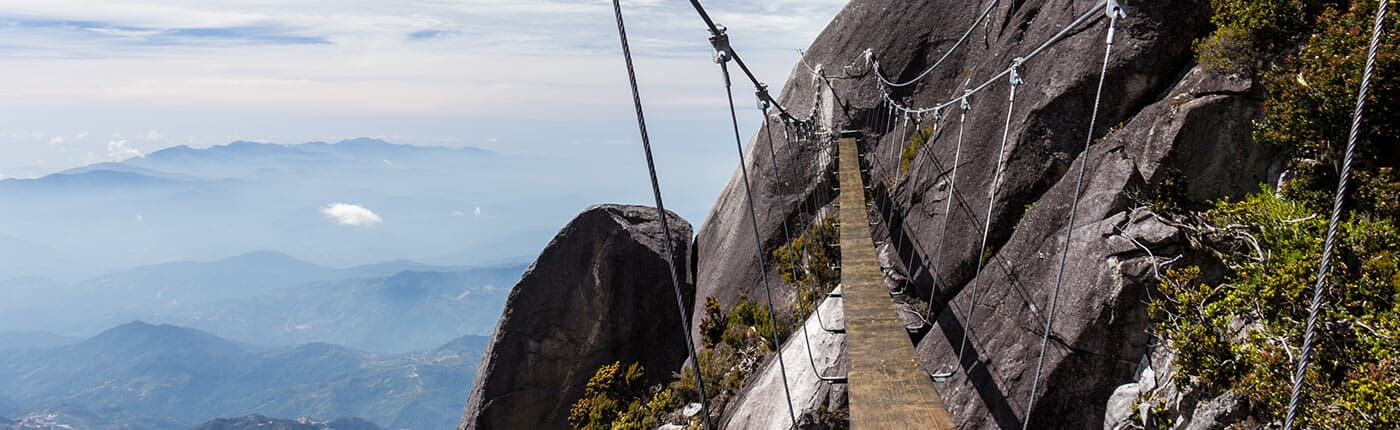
1115,12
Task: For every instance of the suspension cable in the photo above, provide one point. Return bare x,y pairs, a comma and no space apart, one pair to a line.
1298,376
718,31
875,64
982,259
1114,14
1057,38
661,214
722,57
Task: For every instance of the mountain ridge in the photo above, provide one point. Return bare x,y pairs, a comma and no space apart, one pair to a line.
192,376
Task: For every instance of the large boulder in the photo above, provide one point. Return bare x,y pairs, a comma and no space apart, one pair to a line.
600,292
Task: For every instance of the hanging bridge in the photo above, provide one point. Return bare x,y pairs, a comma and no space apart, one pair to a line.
888,387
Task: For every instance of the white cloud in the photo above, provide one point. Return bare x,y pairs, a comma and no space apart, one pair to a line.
476,211
351,214
154,135
56,140
118,150
458,213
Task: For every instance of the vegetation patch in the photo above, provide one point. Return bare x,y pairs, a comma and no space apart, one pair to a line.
921,137
1243,333
735,342
616,399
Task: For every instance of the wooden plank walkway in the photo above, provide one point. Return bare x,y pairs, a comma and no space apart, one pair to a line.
888,387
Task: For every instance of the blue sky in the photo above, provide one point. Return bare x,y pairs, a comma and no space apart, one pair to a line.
88,81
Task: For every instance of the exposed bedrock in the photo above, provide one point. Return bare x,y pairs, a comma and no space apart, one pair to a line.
599,292
1162,124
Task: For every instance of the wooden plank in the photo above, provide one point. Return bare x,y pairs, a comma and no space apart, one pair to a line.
889,389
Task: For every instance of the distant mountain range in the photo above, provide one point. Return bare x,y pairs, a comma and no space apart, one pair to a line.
259,422
268,298
140,375
439,205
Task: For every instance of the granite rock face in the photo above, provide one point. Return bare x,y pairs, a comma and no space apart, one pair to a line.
1100,329
761,404
599,292
1163,125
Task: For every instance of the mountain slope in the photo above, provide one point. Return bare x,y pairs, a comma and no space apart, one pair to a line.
187,376
185,203
272,298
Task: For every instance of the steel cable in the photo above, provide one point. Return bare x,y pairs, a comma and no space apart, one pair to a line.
1308,333
1114,14
661,214
722,57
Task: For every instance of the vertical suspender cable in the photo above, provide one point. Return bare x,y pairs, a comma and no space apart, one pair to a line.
947,213
722,57
1327,244
987,222
792,264
661,214
1114,13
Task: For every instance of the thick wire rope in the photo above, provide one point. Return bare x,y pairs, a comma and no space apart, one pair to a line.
987,223
792,265
1114,13
880,75
722,57
1301,372
661,214
717,30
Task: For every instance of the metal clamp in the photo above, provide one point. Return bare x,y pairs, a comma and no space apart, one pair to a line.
1016,78
764,100
720,40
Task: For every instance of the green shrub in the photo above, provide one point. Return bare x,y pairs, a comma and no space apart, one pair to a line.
713,324
1248,33
605,395
1242,333
916,143
806,263
1308,113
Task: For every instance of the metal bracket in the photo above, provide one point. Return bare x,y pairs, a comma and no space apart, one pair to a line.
764,100
1016,78
1114,10
720,40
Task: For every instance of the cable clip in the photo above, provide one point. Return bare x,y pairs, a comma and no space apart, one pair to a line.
1016,78
720,40
764,100
962,102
